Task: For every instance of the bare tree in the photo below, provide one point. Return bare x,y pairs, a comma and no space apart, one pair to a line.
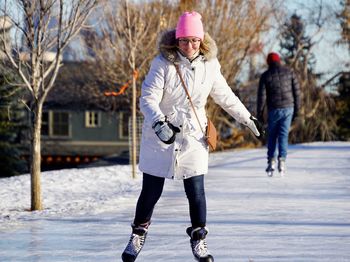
43,29
237,27
123,46
344,19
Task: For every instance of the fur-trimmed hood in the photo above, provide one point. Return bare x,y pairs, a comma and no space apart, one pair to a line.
167,46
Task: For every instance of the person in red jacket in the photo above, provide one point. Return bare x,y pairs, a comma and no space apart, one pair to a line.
279,91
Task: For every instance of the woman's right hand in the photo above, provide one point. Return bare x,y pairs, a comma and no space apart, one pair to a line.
165,131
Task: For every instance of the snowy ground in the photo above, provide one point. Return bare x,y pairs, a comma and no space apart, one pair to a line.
304,216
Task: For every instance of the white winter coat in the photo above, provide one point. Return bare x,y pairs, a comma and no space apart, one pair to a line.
163,96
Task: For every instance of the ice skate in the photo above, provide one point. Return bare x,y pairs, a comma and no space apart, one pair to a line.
199,245
136,242
281,166
271,165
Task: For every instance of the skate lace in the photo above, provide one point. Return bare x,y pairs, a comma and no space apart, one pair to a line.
200,248
135,244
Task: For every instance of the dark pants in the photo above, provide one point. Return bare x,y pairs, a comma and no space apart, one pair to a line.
152,188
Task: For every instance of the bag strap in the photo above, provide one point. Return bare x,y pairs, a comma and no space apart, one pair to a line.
189,97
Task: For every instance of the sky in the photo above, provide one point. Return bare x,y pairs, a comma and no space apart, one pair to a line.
303,216
330,57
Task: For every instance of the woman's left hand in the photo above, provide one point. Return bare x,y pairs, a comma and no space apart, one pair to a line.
256,127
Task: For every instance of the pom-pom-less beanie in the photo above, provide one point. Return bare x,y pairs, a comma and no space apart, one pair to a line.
190,24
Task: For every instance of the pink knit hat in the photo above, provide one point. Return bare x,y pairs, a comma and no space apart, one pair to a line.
190,24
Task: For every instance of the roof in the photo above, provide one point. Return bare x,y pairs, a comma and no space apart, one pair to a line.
78,87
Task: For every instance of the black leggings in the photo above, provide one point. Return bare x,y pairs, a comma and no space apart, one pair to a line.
152,188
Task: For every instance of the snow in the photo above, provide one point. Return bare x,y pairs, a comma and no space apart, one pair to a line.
304,216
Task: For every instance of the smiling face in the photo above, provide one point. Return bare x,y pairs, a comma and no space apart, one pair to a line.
189,45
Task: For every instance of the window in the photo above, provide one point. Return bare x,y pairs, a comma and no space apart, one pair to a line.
45,124
55,123
60,124
125,128
92,119
123,125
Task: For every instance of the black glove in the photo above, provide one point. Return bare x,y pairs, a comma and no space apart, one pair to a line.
165,131
261,119
259,126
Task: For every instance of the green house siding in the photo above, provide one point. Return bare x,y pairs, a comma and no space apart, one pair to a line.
90,133
106,131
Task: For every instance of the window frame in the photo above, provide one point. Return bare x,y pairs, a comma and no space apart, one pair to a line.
121,126
50,123
93,119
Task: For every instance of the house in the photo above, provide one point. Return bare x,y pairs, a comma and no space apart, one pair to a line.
79,124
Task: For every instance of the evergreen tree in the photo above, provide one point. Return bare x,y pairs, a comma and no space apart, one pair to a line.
316,120
296,45
11,128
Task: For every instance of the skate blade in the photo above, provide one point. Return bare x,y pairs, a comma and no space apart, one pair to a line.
206,259
128,258
269,173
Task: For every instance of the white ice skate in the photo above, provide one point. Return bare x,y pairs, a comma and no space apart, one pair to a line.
282,166
199,244
136,242
271,165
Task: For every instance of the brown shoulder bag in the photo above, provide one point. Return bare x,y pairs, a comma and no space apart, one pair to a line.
210,134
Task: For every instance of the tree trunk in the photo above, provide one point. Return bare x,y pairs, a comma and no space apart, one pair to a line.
134,127
35,170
